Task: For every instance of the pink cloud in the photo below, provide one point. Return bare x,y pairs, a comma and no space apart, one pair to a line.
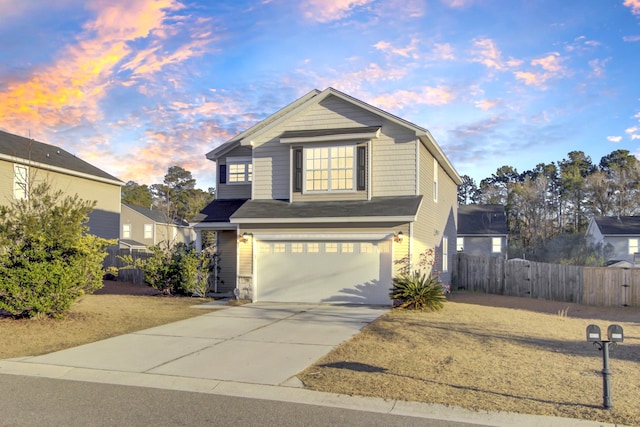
551,66
330,10
408,51
486,104
634,5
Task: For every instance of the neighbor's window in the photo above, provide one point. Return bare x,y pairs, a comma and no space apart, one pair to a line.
126,231
148,231
460,244
239,170
329,168
633,246
445,253
496,245
20,182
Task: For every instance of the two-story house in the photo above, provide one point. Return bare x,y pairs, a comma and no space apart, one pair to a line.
482,230
25,162
142,227
326,200
616,237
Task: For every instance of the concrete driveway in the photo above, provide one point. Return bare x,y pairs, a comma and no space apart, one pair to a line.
263,343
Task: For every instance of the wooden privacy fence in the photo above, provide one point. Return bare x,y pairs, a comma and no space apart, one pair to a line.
132,275
567,283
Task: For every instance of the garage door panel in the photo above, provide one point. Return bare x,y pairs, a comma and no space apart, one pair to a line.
358,275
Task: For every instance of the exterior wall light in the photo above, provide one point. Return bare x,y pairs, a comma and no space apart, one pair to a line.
244,238
398,237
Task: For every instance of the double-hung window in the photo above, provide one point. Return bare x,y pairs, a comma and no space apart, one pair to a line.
239,170
330,168
633,246
148,231
496,245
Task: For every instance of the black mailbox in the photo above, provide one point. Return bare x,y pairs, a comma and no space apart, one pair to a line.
615,333
593,333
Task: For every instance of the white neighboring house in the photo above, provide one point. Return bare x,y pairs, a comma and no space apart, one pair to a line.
619,235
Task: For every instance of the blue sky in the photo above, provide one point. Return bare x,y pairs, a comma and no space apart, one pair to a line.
136,86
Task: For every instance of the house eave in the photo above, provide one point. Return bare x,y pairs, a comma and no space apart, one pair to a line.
332,220
65,171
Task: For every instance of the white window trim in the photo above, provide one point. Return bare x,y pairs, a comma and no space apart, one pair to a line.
128,227
435,180
354,173
240,161
496,249
445,253
150,229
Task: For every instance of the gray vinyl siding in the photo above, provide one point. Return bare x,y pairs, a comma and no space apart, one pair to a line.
435,219
620,245
393,161
482,245
234,191
160,232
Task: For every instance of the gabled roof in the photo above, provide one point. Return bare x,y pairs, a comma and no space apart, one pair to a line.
314,97
157,215
37,154
219,210
378,209
482,220
620,226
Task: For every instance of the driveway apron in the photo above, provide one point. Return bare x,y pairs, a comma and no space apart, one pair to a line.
263,343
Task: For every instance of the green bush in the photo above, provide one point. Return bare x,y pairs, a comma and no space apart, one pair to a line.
176,269
418,291
46,259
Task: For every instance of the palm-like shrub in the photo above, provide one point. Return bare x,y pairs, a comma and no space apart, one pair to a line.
418,291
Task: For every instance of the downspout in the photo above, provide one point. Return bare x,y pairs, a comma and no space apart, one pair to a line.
410,248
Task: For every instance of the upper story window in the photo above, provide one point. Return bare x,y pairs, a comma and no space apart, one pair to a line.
496,245
148,231
237,170
633,246
126,231
329,168
20,182
336,168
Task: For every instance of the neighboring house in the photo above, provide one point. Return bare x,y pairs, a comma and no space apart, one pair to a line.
482,230
143,227
617,237
25,162
326,200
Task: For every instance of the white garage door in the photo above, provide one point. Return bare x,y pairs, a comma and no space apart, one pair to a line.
355,272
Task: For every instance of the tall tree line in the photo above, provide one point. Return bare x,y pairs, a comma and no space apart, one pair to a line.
177,196
559,198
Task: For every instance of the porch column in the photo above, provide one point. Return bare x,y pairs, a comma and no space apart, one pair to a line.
198,240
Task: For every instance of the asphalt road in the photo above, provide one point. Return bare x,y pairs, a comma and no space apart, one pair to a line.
32,401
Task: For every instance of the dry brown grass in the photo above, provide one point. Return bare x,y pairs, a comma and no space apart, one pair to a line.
93,318
491,353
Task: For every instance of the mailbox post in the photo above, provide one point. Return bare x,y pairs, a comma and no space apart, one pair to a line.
615,334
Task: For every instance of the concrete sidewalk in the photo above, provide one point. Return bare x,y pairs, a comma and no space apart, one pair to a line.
253,350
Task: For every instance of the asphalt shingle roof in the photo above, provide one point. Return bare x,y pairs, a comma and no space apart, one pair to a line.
219,210
481,220
46,154
376,207
157,215
624,225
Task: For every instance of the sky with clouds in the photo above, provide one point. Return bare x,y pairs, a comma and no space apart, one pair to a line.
136,86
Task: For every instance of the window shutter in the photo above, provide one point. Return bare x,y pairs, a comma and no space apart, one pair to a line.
297,169
362,168
223,174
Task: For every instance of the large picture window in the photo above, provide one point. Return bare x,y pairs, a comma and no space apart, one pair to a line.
330,168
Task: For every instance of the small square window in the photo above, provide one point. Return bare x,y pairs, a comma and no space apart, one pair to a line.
366,248
297,248
265,248
313,248
279,248
331,248
347,248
